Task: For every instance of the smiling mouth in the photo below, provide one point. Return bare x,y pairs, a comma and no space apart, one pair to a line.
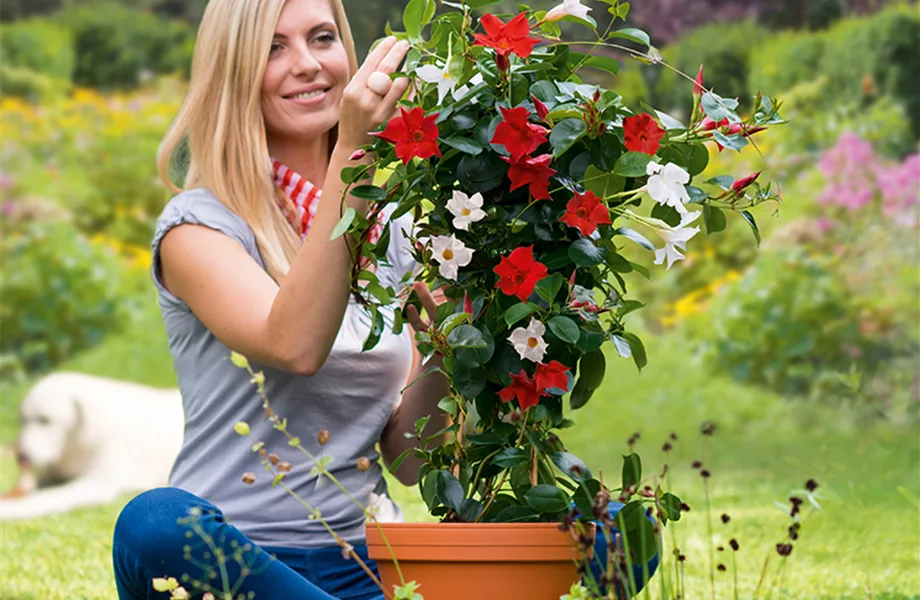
307,95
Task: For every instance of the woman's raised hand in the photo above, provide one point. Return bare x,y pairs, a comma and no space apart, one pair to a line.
363,109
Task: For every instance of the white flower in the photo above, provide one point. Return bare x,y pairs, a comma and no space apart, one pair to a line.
666,185
568,7
529,342
466,209
433,74
451,254
675,239
463,90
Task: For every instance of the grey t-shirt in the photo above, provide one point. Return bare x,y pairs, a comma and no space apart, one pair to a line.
352,396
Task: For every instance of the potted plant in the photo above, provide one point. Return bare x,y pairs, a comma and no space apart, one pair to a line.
531,190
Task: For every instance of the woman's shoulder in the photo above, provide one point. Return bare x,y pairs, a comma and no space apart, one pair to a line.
199,206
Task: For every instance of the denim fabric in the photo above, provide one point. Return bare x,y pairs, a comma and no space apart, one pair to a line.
155,536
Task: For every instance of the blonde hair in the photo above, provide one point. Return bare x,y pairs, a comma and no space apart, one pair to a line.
219,135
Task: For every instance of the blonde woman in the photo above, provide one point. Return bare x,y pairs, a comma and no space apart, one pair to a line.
242,260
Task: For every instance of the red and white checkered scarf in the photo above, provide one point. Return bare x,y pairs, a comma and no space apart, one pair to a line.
302,199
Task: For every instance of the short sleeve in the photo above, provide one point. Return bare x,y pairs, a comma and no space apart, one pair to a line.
399,255
198,207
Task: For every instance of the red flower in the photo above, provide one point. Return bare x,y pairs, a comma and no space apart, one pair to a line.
506,38
542,109
517,134
534,172
523,388
413,133
552,375
519,273
642,134
586,212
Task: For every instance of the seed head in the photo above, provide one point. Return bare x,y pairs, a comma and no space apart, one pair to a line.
284,467
364,464
705,473
721,567
667,447
684,507
674,436
725,518
734,544
697,464
784,549
323,437
708,428
273,458
811,485
249,478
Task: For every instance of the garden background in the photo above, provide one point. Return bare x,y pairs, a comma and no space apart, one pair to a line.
803,352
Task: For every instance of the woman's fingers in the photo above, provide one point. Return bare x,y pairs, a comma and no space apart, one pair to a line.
373,59
393,58
415,320
428,302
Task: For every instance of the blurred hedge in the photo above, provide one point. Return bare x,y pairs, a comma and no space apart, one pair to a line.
861,58
39,45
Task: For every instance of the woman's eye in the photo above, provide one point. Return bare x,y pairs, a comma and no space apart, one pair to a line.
274,48
326,38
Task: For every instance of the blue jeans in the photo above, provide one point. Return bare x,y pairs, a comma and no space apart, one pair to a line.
155,536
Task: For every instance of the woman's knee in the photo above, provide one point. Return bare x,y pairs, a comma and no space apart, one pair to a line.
158,519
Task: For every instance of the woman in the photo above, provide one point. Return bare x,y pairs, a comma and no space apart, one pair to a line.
243,261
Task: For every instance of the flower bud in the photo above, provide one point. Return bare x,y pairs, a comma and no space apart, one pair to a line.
180,593
239,360
249,478
163,584
274,459
740,185
542,109
358,154
698,88
242,428
284,467
323,437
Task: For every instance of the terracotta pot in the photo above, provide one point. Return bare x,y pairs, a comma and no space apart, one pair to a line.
478,561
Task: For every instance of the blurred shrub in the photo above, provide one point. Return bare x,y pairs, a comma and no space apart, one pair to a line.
118,47
862,59
59,293
787,319
29,84
93,155
723,49
39,45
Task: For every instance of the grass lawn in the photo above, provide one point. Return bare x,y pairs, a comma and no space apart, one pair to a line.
863,545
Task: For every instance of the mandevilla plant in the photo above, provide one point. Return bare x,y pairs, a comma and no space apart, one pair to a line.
525,184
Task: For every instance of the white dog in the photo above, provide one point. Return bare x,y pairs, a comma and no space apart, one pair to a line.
86,440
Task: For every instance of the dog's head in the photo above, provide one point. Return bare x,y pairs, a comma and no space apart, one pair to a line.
49,415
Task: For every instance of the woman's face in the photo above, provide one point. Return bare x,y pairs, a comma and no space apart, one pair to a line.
306,73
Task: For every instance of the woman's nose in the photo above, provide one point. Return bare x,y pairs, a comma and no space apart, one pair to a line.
306,63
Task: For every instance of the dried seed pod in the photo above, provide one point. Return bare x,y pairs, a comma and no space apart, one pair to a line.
249,478
284,467
273,458
364,464
323,437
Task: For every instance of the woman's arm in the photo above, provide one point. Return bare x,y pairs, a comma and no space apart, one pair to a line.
420,400
291,326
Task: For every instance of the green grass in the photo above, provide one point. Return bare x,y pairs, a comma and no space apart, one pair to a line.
863,545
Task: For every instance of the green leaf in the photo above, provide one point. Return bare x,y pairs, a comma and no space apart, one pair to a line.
670,504
601,183
466,336
517,513
510,457
451,322
669,122
546,498
589,341
714,219
566,133
565,329
463,144
603,63
518,311
584,496
591,370
638,349
621,345
448,489
699,160
635,236
548,287
369,192
413,16
632,470
469,381
632,34
398,461
470,509
643,542
718,108
750,221
476,357
481,173
571,465
343,224
585,254
632,164
732,142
